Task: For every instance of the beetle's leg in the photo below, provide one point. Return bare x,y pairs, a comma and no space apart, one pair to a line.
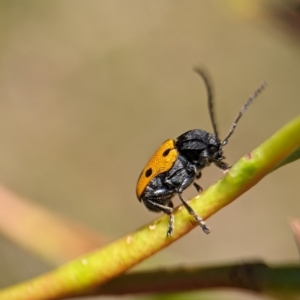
198,175
197,187
219,163
158,207
168,210
201,223
171,221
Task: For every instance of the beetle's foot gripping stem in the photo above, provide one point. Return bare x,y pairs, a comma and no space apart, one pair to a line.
198,187
226,170
171,225
201,223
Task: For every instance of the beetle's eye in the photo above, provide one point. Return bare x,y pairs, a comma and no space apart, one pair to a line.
166,152
148,172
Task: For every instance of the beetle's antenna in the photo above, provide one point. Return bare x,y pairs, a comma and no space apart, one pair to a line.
242,111
210,103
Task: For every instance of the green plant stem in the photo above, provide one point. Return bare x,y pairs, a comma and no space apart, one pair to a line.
291,158
116,258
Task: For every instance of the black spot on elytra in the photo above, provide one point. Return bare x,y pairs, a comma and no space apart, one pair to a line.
148,172
166,152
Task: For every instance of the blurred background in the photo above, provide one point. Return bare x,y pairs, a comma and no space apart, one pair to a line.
90,89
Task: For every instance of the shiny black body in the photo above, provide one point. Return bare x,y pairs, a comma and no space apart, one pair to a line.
197,149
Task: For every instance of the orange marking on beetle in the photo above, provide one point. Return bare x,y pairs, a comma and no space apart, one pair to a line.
162,161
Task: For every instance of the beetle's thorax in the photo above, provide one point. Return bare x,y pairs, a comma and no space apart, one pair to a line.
200,147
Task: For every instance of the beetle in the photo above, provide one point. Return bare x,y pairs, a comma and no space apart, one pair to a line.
178,163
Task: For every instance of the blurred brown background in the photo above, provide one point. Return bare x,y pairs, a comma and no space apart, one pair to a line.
90,89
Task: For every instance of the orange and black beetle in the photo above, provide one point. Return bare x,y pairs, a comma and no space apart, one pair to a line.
177,163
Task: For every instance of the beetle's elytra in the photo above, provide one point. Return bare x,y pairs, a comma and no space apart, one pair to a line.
177,163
